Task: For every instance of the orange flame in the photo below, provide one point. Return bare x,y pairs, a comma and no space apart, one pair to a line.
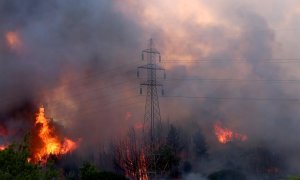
225,135
2,147
51,144
13,40
134,163
142,164
3,132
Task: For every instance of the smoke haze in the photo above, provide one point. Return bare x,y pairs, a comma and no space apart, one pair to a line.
79,59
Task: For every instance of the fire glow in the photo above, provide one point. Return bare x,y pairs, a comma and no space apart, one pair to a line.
13,40
133,162
143,167
225,135
3,133
51,143
3,147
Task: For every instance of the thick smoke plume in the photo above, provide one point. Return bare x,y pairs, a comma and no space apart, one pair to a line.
79,59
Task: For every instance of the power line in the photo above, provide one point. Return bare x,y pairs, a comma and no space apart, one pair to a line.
95,74
108,108
231,80
236,60
236,80
87,100
235,98
120,100
274,29
84,91
7,98
77,93
117,84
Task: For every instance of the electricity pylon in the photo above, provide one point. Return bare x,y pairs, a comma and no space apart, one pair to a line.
152,118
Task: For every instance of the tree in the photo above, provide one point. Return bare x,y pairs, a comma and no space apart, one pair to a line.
227,175
173,140
200,146
265,162
293,178
129,156
167,161
14,165
90,172
170,153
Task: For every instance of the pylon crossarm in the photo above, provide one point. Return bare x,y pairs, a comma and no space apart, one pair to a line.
152,51
149,67
151,84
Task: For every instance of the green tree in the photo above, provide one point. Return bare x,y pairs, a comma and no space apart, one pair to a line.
227,174
293,178
90,172
14,165
111,176
170,152
165,161
200,146
173,140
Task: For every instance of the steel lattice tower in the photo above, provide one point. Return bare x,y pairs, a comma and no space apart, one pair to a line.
152,118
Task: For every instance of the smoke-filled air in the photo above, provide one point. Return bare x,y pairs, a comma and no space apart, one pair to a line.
141,90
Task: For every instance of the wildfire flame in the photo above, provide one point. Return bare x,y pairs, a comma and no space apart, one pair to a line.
3,132
13,40
142,164
225,135
2,147
51,143
133,161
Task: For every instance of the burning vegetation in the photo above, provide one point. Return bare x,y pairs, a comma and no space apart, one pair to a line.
226,135
48,141
79,58
45,140
129,156
3,134
2,147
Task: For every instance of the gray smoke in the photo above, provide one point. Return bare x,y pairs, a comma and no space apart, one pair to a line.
78,58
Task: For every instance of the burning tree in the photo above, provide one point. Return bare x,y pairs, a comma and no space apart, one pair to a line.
14,164
44,138
139,160
46,141
130,158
